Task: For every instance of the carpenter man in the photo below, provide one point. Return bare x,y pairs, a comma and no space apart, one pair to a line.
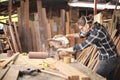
98,35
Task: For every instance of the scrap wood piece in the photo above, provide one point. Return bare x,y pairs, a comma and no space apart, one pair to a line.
12,74
67,69
3,72
13,58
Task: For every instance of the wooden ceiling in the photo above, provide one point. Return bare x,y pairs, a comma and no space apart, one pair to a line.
46,3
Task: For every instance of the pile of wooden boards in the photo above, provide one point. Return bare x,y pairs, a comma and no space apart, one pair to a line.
12,37
35,32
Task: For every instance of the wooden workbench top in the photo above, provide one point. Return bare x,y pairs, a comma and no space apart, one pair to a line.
23,62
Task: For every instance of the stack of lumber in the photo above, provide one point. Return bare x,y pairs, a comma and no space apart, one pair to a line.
12,37
35,32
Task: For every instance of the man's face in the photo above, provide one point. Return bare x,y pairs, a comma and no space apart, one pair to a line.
85,28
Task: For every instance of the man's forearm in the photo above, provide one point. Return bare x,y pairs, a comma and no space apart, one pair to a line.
72,35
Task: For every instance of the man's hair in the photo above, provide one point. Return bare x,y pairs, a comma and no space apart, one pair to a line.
84,20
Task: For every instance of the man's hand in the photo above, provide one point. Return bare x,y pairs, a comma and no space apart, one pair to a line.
66,49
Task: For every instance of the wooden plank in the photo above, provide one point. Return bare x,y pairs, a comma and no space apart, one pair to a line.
117,40
10,9
42,28
21,25
118,48
3,72
67,69
27,31
113,19
95,6
46,24
61,29
67,23
113,33
12,74
17,37
13,39
33,36
53,26
3,64
98,18
37,32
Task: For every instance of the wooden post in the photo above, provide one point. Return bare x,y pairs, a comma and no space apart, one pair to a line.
95,7
67,23
10,9
62,24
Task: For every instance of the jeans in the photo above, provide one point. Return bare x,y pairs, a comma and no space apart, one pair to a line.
106,68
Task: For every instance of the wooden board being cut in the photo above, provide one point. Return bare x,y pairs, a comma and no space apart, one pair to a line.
67,70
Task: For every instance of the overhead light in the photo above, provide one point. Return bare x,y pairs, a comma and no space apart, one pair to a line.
91,5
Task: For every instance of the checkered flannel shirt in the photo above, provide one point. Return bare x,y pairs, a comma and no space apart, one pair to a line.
100,37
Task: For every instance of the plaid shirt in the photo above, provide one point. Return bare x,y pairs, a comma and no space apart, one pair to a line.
100,37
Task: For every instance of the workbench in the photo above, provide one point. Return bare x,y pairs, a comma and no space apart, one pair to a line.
22,62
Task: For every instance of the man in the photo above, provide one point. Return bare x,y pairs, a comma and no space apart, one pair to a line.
98,35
